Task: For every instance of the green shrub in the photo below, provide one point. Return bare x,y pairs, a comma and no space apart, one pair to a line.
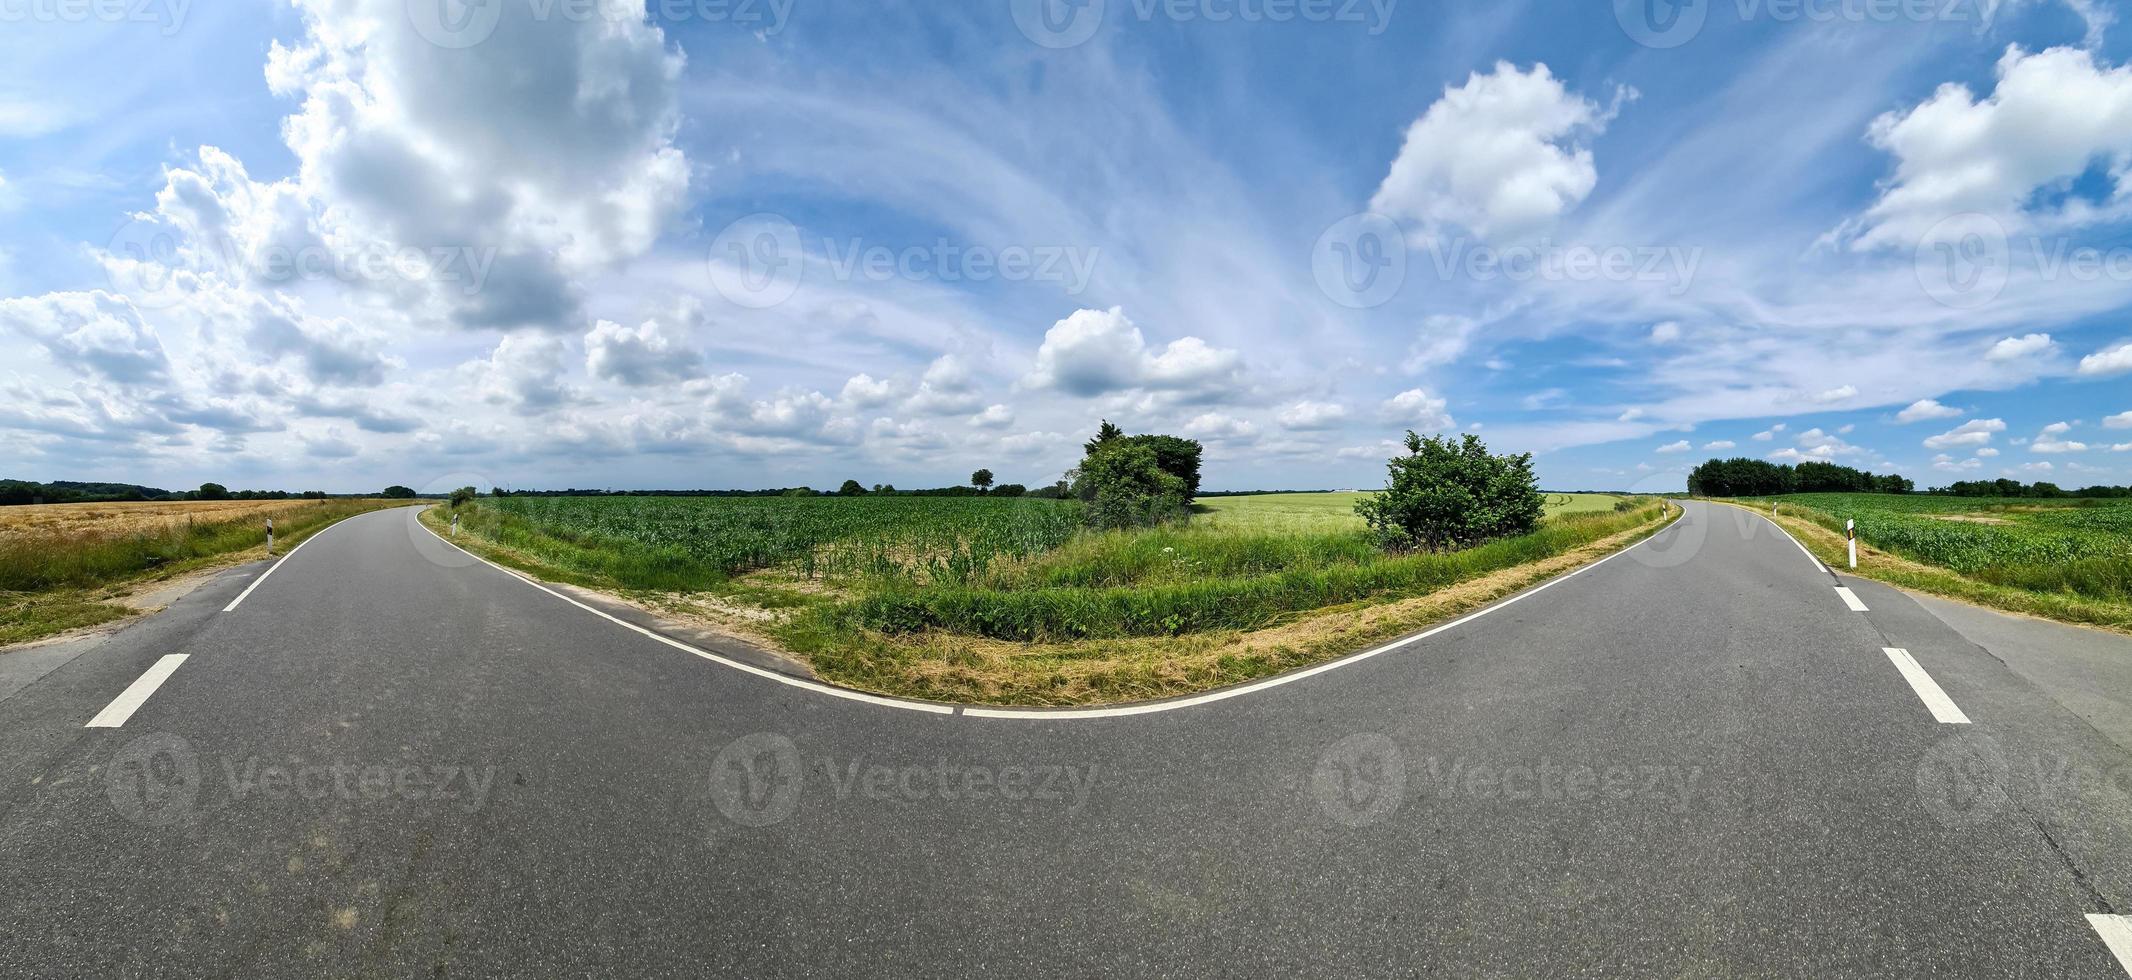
1445,495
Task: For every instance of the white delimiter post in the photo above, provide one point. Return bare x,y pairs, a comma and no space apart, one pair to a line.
1850,533
270,536
455,525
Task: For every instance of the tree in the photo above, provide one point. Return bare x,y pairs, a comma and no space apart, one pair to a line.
499,492
1009,490
1178,457
211,491
851,488
1444,494
1123,486
1104,434
397,492
982,479
463,495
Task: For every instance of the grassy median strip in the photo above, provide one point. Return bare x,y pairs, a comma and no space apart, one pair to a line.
69,566
2066,561
1098,617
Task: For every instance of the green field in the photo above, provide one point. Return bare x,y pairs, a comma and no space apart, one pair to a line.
878,592
2063,558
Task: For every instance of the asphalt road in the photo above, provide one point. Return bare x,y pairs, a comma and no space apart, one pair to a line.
1695,759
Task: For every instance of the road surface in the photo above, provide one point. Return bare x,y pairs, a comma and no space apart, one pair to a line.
1698,758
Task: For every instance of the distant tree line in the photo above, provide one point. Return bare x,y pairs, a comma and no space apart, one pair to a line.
2015,488
1743,476
19,492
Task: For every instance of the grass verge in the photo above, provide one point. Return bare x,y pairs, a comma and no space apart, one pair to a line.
1883,566
54,583
1046,647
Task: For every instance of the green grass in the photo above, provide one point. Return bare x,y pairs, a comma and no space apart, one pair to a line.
2069,560
850,577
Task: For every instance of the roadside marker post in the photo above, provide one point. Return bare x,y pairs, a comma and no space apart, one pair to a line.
270,536
455,525
1850,535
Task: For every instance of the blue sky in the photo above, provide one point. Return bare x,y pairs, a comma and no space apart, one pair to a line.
546,243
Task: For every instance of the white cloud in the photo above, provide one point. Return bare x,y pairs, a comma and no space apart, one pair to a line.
864,391
96,333
1676,447
947,388
2051,115
525,371
1924,409
1987,452
650,354
2111,361
1764,435
1975,432
1833,395
2122,447
1789,455
1501,156
993,417
2049,442
1720,444
1665,333
1417,409
1096,352
1312,415
2017,347
1630,416
2122,420
1948,464
1219,427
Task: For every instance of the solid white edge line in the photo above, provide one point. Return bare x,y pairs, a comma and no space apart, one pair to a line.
136,694
2116,933
1042,714
937,709
261,580
1928,690
1851,599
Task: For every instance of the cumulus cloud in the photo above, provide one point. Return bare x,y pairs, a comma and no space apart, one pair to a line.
864,391
1676,447
2051,115
1665,333
95,333
2014,348
2115,360
1720,444
1219,427
1833,395
1419,410
947,388
2051,440
525,371
993,417
1097,352
2122,420
649,354
1925,409
1975,432
1502,156
1312,415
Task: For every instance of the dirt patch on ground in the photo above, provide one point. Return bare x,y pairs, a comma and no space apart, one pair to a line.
1969,518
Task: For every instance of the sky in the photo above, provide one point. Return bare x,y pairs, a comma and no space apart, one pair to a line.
338,244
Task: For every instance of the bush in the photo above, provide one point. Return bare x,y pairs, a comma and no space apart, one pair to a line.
1444,495
1124,486
463,495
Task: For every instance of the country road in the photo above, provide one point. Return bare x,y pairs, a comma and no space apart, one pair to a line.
1707,756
